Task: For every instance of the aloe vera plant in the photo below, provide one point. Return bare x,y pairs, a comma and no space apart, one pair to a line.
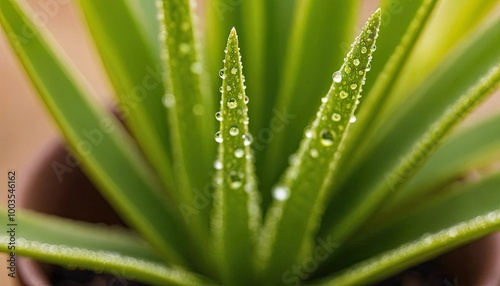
330,146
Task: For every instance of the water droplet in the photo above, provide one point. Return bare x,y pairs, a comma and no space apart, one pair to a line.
373,48
228,88
326,137
281,193
343,94
168,100
308,133
247,139
347,70
355,62
314,153
218,137
336,117
337,76
218,116
354,86
360,72
352,119
232,103
246,99
363,50
221,74
235,180
221,89
324,99
225,51
218,165
233,131
234,70
368,67
238,153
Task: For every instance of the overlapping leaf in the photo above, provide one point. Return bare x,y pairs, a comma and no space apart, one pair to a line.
300,196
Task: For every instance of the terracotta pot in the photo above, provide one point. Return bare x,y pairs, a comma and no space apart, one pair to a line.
69,194
74,195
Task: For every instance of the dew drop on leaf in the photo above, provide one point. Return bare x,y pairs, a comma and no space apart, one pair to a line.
281,193
326,137
246,99
221,89
235,180
363,50
234,70
238,153
355,62
218,165
354,86
232,103
352,119
218,116
373,48
337,76
336,117
308,133
228,88
218,137
247,139
233,131
221,74
343,94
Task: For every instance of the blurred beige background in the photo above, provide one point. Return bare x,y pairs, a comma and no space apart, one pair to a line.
24,125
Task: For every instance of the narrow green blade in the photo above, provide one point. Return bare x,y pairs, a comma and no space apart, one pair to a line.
376,98
108,154
95,247
300,196
237,215
423,232
190,107
136,75
391,159
315,48
457,19
473,148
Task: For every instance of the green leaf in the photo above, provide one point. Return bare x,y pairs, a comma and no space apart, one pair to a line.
424,232
190,107
249,18
397,19
108,154
391,159
376,98
136,76
95,247
320,36
300,196
475,147
236,215
44,228
457,19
